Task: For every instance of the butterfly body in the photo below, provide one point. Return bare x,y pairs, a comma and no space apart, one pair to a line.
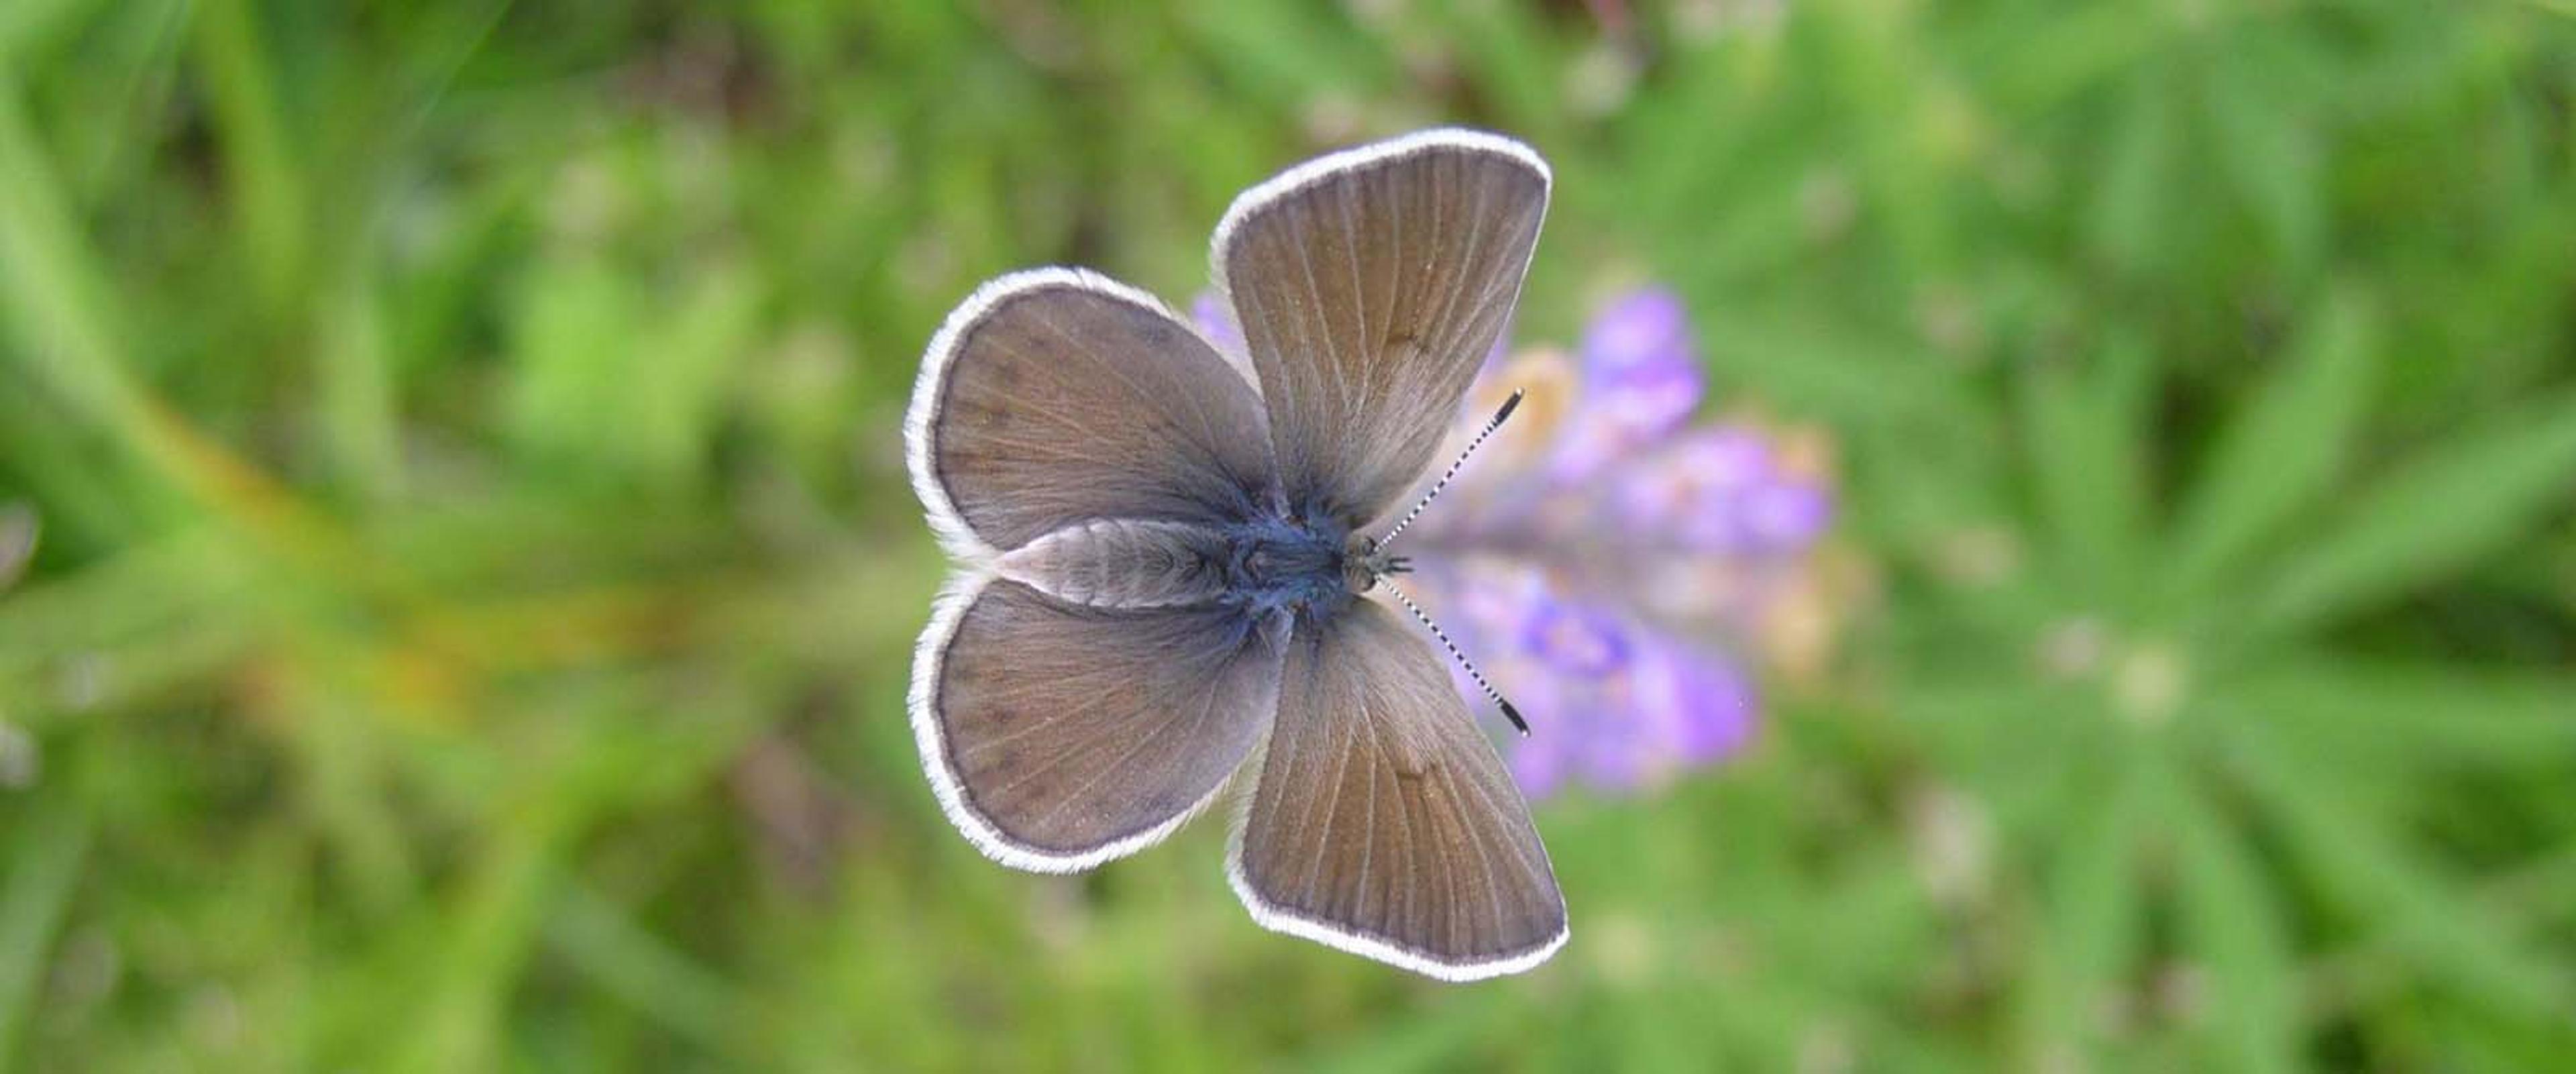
1299,566
1262,564
1165,587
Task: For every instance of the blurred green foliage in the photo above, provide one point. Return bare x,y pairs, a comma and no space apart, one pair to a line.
476,582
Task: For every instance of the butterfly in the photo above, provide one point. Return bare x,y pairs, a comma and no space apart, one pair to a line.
1172,567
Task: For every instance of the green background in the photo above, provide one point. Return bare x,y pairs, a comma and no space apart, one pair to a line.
477,581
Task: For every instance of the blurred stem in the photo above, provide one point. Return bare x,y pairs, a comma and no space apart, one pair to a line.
29,22
55,294
487,940
146,98
65,327
596,935
44,866
2533,896
336,731
261,173
358,406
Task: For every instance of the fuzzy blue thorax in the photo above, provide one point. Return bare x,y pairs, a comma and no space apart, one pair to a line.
1308,564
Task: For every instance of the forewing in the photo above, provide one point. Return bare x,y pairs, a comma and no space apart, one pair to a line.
1383,823
1054,396
1370,285
1060,736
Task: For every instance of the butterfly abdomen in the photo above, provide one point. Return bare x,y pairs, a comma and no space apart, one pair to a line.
1124,563
1264,565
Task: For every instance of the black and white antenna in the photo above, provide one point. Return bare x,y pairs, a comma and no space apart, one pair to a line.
1495,423
1509,713
1397,565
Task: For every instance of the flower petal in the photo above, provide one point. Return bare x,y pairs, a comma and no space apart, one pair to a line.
1641,380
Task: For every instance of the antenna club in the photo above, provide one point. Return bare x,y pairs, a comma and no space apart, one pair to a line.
1509,405
1514,715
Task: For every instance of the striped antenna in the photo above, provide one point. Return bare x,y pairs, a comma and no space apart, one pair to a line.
1496,696
1496,423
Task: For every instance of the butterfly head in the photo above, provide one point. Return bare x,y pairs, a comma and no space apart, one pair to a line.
1365,562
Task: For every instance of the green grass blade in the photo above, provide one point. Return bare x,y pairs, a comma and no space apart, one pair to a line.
27,25
597,937
2135,190
459,1018
44,866
263,171
60,314
357,409
64,325
1284,52
1507,49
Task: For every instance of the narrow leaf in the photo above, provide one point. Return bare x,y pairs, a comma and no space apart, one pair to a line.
2093,923
2084,441
2269,151
2419,715
2232,931
2282,452
2459,502
2397,896
2136,183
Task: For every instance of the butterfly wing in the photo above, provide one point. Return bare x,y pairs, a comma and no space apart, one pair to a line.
1059,736
1383,823
1370,285
1055,396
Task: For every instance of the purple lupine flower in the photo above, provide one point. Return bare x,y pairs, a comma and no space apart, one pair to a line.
1786,515
1640,380
1694,489
1699,703
1216,322
1640,704
1612,568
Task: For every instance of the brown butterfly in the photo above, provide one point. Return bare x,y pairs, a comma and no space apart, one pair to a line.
1173,565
